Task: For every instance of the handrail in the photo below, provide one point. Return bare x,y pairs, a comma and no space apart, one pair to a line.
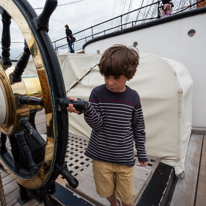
96,25
107,30
82,37
108,21
122,25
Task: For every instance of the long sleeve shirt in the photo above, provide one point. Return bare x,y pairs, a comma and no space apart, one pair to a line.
117,121
68,33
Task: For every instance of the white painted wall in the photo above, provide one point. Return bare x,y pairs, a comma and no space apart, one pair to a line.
171,40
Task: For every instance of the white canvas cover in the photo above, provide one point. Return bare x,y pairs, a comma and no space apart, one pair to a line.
165,88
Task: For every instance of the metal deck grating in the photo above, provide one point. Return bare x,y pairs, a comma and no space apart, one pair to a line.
75,159
80,166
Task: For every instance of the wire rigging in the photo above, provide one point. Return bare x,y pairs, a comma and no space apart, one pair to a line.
120,6
148,10
73,2
139,10
130,5
124,4
155,10
129,8
114,7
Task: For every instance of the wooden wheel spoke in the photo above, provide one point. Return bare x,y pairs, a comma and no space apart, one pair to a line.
26,152
33,160
6,40
32,132
30,100
15,76
2,143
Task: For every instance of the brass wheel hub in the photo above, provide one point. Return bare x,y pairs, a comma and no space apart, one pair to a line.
29,86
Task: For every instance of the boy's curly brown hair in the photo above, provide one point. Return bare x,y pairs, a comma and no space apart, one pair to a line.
119,60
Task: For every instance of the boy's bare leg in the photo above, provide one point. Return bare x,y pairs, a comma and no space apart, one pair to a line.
113,200
131,204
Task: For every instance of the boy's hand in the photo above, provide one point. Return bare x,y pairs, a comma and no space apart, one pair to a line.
142,163
71,108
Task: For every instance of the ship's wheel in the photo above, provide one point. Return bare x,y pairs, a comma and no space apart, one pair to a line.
32,161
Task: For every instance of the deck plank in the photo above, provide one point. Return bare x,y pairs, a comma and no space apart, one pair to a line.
12,197
185,189
12,200
32,202
201,191
8,188
3,173
7,179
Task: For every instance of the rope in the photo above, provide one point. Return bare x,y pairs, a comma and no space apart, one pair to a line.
2,195
18,56
45,90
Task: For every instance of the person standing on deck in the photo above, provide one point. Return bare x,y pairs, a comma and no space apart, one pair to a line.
69,37
115,115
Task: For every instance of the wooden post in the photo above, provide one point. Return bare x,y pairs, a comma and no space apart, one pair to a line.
5,40
2,195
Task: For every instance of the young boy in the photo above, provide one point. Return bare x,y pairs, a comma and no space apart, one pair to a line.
115,115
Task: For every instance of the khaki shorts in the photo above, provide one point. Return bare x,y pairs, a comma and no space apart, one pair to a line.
107,183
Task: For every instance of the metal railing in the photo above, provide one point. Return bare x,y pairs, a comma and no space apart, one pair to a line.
138,16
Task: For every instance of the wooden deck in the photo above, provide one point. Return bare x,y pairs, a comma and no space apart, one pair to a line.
11,189
191,190
81,167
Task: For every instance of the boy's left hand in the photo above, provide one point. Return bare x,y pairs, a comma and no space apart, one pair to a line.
142,163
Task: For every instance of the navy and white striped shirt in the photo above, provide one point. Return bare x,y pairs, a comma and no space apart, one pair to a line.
117,121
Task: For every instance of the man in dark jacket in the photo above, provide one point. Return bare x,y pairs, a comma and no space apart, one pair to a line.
69,38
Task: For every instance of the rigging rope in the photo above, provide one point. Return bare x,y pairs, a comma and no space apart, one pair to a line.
114,8
139,10
73,2
146,10
124,6
130,5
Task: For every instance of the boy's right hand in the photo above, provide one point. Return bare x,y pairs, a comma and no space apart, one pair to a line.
143,163
71,108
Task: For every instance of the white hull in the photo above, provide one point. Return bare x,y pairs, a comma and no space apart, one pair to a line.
171,40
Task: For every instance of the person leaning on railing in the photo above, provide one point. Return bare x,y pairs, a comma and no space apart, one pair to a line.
166,10
69,37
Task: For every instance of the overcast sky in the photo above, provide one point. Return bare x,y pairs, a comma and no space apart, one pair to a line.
78,14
